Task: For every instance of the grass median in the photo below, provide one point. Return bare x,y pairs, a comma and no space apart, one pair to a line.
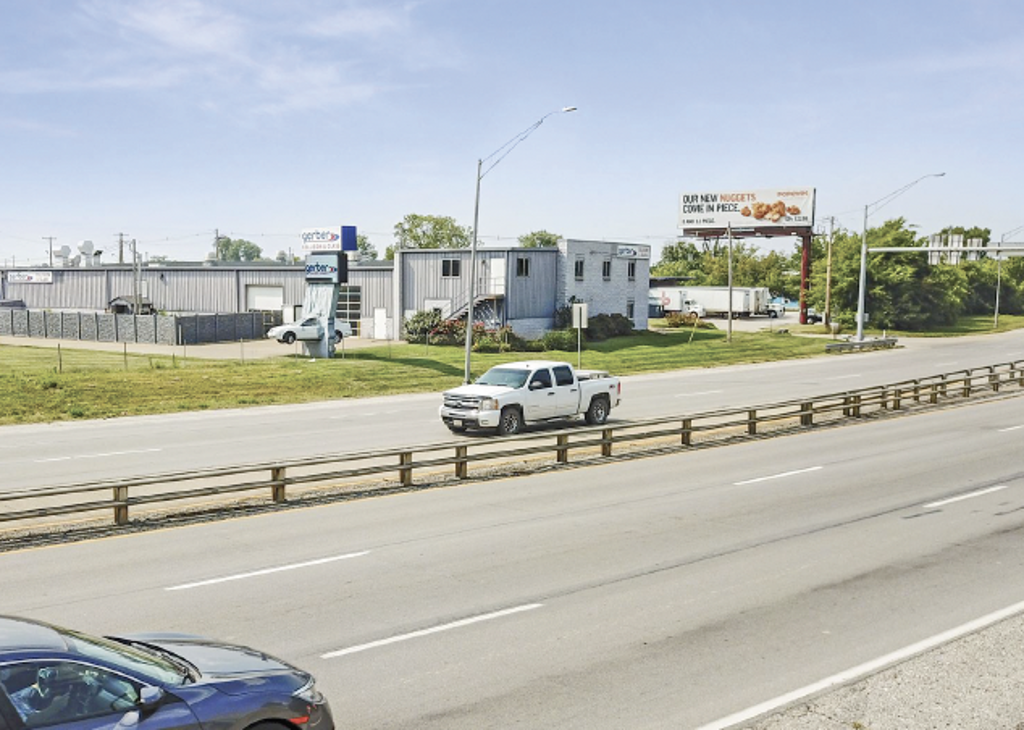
41,384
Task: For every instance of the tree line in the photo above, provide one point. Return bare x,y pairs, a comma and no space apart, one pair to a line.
904,290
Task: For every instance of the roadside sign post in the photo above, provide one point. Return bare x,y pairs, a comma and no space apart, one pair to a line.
579,321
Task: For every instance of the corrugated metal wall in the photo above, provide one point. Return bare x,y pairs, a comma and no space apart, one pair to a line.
532,296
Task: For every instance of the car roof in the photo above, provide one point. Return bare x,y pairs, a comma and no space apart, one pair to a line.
532,364
21,633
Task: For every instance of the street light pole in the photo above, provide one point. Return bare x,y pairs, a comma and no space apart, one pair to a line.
999,271
861,294
503,151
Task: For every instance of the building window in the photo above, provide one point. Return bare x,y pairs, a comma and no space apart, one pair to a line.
579,268
631,270
451,267
630,309
522,266
606,269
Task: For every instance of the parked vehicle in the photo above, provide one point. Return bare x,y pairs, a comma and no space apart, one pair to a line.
714,300
55,677
508,396
308,329
813,316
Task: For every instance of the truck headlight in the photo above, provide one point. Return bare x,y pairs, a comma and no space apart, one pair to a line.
488,404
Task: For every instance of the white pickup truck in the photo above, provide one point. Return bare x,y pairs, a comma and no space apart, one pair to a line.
508,396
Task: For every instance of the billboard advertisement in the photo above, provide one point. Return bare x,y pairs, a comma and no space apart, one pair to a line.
769,208
29,277
332,238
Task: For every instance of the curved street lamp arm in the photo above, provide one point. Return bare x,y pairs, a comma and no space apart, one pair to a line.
506,148
882,202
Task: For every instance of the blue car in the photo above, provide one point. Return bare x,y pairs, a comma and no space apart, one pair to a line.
57,678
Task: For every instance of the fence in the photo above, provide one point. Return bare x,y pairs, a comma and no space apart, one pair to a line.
170,329
681,430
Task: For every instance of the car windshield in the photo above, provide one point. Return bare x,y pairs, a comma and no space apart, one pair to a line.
135,659
507,377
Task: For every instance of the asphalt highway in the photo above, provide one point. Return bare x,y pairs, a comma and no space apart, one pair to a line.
60,453
669,592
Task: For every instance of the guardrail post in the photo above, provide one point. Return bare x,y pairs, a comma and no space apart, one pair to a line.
856,406
993,378
943,384
897,397
1020,377
917,391
562,453
687,433
405,475
883,399
934,396
751,422
806,414
120,509
606,442
461,464
967,383
277,490
847,411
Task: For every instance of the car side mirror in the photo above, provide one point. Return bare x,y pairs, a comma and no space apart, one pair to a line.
150,697
536,385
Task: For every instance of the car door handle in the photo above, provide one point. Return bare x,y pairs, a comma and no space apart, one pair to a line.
550,394
572,390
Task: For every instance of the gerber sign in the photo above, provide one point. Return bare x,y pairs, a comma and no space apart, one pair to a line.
337,238
321,239
327,268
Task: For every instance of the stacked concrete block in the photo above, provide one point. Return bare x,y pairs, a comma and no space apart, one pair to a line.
70,325
145,328
88,326
6,323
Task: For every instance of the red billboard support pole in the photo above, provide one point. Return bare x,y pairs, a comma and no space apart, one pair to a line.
805,274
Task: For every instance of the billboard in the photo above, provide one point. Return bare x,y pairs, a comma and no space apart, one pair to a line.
770,208
332,238
29,277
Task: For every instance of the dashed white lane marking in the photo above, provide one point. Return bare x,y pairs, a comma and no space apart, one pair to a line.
1010,428
433,630
845,377
969,495
699,392
865,669
265,571
777,476
97,456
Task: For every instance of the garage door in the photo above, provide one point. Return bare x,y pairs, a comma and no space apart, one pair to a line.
264,298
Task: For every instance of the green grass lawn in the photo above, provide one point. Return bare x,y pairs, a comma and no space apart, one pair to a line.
41,385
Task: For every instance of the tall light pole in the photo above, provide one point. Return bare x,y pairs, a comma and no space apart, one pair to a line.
999,270
864,247
501,153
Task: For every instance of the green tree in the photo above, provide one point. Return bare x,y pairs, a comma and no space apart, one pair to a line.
428,231
237,249
539,239
367,251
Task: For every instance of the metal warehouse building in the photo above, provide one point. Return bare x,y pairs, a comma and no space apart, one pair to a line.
518,287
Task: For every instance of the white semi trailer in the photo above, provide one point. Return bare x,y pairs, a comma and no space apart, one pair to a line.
747,301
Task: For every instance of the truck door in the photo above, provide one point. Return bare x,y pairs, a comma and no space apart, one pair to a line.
567,392
540,396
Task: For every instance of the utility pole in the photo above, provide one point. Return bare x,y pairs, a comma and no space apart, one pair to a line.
51,239
135,278
828,273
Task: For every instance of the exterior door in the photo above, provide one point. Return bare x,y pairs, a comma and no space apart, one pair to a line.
540,396
567,391
380,324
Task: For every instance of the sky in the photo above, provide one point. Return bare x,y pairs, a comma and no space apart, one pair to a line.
169,121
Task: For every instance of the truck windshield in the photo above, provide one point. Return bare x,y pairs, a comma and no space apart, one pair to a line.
506,377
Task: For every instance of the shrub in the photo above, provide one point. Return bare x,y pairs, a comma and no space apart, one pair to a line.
604,326
560,340
419,326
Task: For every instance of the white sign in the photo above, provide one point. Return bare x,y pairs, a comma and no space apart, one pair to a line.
29,277
633,252
775,208
321,239
579,315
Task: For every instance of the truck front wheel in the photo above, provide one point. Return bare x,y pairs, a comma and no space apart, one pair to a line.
510,422
598,411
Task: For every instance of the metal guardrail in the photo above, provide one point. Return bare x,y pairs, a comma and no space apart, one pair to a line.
275,477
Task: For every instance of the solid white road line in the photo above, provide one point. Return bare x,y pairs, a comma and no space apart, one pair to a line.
266,571
867,668
964,496
777,476
433,630
96,456
845,377
700,392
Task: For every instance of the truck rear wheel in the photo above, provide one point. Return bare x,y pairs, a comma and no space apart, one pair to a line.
510,422
598,411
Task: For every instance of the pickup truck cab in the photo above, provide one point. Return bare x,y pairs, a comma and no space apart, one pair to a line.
507,397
